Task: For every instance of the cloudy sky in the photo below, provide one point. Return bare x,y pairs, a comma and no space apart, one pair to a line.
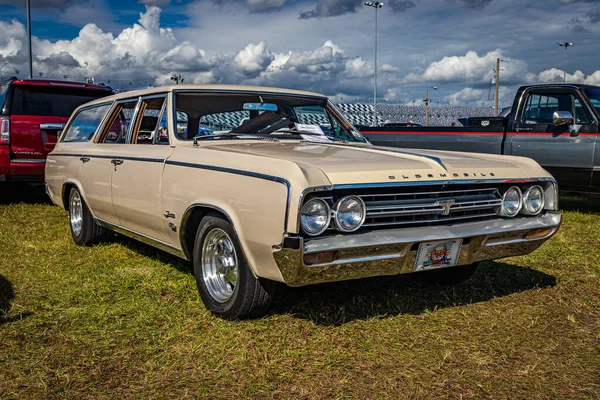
319,45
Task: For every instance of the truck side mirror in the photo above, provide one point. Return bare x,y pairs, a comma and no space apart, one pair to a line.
574,129
562,118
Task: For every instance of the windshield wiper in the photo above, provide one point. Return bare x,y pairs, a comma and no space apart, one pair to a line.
232,135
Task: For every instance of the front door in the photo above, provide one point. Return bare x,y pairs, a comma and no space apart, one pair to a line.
568,158
137,176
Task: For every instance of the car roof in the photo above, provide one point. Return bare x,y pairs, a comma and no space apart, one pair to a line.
208,88
55,83
559,85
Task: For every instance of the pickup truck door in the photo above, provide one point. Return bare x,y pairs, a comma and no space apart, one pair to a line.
569,158
137,171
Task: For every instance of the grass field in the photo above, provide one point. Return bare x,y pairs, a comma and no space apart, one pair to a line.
122,320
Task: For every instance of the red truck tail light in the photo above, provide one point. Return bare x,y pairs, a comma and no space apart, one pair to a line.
4,130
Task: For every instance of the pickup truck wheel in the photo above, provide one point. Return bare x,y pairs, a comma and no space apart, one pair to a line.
84,229
448,276
225,282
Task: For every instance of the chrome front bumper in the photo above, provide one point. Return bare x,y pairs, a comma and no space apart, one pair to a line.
394,251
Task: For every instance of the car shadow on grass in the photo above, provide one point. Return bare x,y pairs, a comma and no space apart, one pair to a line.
334,304
23,193
7,294
582,204
152,252
339,303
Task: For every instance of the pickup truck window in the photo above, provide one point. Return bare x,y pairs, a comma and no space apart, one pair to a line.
85,124
593,95
540,108
581,115
118,124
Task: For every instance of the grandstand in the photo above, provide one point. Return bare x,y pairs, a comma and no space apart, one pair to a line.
362,114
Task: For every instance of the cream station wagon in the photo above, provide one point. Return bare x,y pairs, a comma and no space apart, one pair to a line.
260,186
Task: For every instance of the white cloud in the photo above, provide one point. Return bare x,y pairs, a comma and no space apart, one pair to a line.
471,68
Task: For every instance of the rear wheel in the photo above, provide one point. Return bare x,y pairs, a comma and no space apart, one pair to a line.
84,229
448,276
225,282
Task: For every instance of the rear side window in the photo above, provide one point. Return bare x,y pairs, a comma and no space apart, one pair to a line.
49,100
3,95
85,124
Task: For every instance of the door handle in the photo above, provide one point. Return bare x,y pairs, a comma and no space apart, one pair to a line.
524,129
116,162
84,159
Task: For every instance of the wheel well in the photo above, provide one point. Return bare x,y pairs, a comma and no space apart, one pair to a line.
190,223
65,194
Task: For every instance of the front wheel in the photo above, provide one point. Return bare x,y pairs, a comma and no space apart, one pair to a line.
225,282
448,276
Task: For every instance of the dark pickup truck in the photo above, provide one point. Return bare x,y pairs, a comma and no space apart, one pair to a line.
556,125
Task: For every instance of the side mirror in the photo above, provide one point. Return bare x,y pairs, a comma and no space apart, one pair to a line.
562,118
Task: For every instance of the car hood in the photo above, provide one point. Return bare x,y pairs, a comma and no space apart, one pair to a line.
343,164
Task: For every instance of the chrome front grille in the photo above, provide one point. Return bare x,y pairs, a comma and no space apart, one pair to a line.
425,208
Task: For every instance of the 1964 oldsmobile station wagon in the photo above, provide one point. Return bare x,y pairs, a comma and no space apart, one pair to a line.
259,186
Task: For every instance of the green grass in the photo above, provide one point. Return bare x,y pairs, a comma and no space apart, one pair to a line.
122,320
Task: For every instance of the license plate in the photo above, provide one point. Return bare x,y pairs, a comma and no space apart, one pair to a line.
442,254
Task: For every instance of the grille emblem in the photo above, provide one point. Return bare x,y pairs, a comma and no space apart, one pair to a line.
446,204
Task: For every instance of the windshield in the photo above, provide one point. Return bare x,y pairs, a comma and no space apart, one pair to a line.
229,116
594,95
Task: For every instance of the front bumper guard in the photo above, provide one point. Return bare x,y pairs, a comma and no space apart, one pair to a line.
394,251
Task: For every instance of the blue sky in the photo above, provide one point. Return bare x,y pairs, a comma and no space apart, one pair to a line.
325,46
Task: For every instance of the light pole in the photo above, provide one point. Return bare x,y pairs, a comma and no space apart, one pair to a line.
566,45
427,100
376,5
29,38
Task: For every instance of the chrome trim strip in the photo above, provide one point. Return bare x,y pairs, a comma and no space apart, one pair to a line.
358,259
427,221
28,161
244,173
143,238
443,183
101,156
411,235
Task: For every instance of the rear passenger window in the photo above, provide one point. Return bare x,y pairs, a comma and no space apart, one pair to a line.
85,124
147,121
118,124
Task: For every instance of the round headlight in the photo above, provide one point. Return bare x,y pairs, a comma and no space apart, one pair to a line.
533,200
315,216
511,202
350,213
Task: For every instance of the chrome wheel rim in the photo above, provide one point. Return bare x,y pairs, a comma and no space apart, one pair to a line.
76,213
219,265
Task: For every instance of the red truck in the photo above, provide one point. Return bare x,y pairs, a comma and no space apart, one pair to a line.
32,114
